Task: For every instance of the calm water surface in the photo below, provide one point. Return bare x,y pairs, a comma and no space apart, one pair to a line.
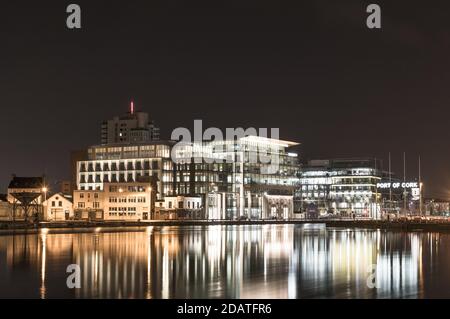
263,261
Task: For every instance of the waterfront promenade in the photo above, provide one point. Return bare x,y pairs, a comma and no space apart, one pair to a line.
438,225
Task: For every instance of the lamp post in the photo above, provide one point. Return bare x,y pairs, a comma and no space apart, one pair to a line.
420,198
151,203
44,190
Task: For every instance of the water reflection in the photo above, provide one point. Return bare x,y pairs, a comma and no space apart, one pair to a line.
264,261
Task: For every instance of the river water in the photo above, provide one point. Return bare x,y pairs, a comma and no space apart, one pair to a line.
261,261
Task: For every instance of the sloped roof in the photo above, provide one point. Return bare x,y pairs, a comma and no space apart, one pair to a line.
26,182
66,197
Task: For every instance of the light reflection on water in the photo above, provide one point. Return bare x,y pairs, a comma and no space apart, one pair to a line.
261,261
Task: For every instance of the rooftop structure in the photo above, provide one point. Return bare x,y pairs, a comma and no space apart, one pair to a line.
26,195
132,127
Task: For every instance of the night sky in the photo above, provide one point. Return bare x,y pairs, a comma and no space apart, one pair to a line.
312,69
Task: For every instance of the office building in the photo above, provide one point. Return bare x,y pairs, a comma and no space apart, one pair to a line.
127,163
250,177
346,187
240,183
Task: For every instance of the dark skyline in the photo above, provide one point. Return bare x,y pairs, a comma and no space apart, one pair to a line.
311,68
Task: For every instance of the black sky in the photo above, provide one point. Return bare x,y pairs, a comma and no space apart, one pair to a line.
311,68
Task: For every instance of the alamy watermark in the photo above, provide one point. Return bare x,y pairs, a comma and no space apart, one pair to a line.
236,145
372,281
73,20
74,279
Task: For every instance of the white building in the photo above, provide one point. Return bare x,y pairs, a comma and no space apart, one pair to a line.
58,207
88,204
183,202
116,201
179,207
127,164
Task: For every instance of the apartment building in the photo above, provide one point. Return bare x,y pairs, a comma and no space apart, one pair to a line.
132,127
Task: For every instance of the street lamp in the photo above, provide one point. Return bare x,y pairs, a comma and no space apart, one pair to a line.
45,190
152,204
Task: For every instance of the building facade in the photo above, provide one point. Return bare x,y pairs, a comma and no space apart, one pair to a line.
127,201
232,179
240,178
180,207
345,187
437,207
58,207
88,204
127,164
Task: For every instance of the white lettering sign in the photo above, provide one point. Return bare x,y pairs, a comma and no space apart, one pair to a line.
404,185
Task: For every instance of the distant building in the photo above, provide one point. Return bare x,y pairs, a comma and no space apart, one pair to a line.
356,187
65,187
58,207
133,127
341,186
437,207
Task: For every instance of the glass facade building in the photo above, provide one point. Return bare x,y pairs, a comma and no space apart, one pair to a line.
346,187
250,177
